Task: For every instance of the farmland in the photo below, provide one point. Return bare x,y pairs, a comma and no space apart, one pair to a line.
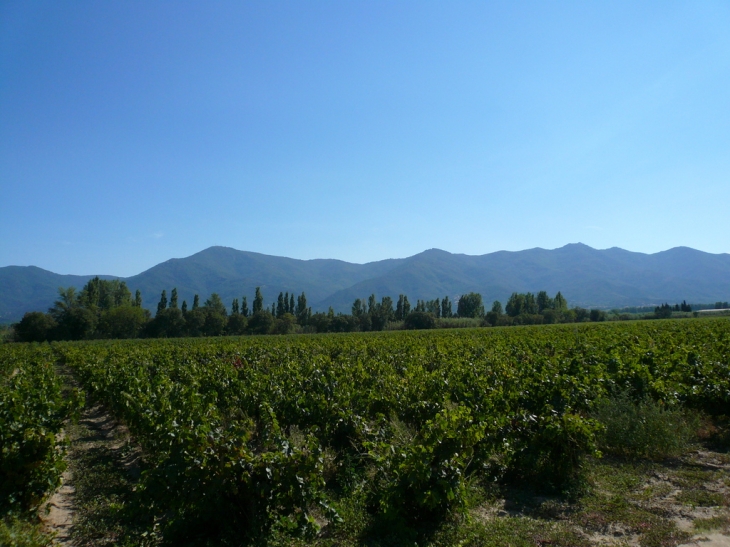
386,438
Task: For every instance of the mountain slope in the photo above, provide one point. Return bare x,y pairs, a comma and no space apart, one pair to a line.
28,288
233,274
587,277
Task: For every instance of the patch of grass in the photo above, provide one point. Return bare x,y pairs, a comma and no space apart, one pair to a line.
644,428
654,491
719,522
702,498
617,503
693,477
512,531
663,534
616,476
15,532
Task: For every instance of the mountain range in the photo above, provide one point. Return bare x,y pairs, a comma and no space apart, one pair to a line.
609,278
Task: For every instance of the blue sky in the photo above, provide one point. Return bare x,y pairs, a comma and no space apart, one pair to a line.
135,132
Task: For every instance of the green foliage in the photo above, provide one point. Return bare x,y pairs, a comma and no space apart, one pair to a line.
35,327
644,428
258,436
470,305
421,476
258,301
32,412
261,322
123,322
15,532
420,320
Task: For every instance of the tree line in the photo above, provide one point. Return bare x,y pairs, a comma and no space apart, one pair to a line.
107,309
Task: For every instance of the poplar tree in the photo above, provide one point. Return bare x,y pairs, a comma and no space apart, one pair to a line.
446,310
302,311
258,301
234,307
138,299
244,307
173,299
544,302
399,308
291,303
280,305
184,308
196,302
162,304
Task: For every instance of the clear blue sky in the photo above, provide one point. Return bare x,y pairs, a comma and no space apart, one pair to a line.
135,132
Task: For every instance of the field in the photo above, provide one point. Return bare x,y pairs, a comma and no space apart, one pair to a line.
551,435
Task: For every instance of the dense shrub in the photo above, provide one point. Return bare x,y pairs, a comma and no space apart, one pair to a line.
644,428
420,320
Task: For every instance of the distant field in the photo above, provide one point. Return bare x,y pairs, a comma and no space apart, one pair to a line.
340,438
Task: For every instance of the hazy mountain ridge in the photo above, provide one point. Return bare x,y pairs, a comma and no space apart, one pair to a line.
586,276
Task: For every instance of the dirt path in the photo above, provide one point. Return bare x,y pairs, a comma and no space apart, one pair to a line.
60,510
96,437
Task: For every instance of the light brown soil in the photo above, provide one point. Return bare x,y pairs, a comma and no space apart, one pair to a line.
97,428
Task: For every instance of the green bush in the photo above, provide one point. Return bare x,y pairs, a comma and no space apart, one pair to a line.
20,533
644,428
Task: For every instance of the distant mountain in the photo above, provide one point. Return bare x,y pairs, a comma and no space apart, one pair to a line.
586,277
27,288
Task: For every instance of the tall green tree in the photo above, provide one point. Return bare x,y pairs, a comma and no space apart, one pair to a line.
122,295
244,307
497,307
560,303
215,304
138,299
173,299
544,302
280,305
446,310
434,307
303,313
235,310
66,302
258,301
470,305
196,302
162,304
291,304
399,308
515,304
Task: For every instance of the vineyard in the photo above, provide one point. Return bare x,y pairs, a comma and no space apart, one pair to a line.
370,438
